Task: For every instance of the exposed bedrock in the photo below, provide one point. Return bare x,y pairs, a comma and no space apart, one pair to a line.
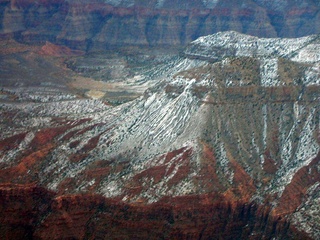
98,25
225,144
30,212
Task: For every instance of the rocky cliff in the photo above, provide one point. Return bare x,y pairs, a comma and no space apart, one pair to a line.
100,24
30,212
223,144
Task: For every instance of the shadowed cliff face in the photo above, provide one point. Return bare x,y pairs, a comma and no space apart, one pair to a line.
30,212
101,24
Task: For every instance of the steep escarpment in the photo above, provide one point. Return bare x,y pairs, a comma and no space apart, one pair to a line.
22,207
30,212
225,142
100,24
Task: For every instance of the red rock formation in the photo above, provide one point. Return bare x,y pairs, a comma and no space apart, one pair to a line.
58,51
11,142
294,192
21,208
30,212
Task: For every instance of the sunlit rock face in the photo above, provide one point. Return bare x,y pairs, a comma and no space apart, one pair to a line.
100,24
231,125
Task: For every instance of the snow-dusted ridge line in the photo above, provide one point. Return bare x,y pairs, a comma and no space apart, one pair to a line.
234,44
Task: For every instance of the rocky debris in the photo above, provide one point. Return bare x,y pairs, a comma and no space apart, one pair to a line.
39,94
309,209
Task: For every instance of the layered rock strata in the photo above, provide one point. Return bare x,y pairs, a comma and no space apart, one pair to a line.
30,212
229,130
101,24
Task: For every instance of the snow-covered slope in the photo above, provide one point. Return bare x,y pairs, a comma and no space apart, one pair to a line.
234,44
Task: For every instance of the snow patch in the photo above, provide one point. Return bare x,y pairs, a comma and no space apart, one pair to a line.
269,72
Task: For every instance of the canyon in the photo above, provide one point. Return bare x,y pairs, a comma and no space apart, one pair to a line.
99,25
219,140
133,119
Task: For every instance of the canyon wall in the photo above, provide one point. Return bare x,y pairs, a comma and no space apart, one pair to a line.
31,212
101,24
225,147
223,144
